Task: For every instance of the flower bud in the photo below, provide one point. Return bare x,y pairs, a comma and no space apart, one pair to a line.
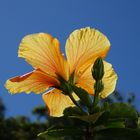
98,69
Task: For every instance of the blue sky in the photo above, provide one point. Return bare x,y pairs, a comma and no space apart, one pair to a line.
119,20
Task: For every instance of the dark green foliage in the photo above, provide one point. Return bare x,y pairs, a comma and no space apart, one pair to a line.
118,134
118,122
106,126
122,110
60,131
2,109
20,128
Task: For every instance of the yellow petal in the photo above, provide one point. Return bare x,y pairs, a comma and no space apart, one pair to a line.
109,80
86,81
56,102
83,46
35,81
42,51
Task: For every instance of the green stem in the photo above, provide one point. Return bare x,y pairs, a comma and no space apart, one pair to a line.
95,102
73,100
89,134
98,87
95,99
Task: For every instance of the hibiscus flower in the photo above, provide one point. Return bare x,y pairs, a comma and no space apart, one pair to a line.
53,70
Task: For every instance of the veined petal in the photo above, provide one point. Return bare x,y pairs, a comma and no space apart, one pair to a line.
42,51
86,80
109,80
84,46
56,102
35,81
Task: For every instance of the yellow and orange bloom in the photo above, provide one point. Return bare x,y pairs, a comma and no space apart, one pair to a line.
42,51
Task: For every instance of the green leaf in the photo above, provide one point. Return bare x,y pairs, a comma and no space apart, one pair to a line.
90,118
103,118
118,123
118,134
61,131
122,110
73,111
83,95
131,123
